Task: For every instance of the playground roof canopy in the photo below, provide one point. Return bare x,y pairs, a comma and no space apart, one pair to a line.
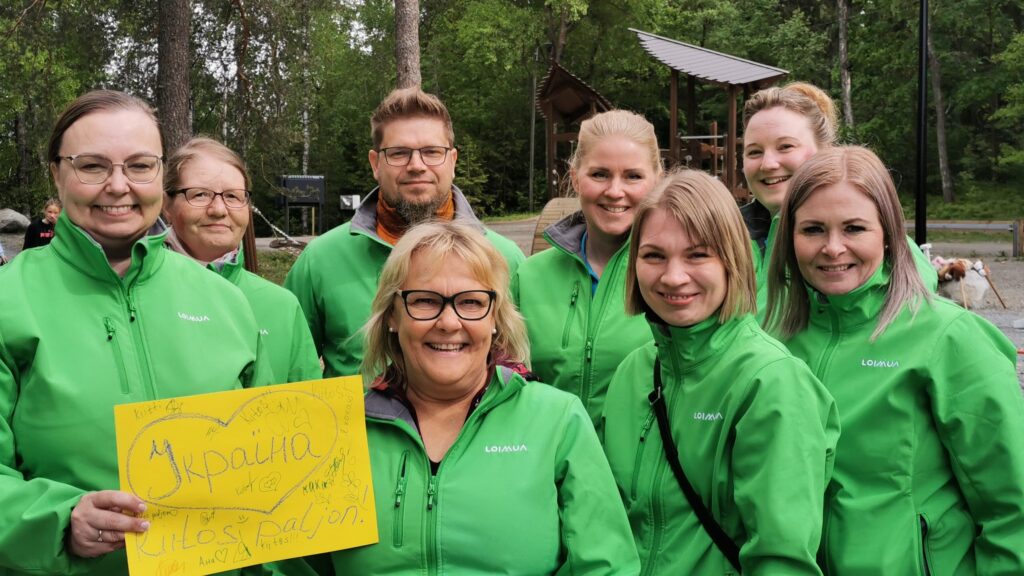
706,64
563,97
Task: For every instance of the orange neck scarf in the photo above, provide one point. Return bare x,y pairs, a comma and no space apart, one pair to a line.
391,226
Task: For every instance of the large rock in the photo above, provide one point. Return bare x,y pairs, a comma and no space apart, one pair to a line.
12,221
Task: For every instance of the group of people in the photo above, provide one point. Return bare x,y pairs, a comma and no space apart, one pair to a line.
677,386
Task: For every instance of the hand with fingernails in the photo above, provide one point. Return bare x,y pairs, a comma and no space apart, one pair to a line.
100,520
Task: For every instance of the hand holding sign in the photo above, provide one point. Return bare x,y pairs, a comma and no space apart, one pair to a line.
249,476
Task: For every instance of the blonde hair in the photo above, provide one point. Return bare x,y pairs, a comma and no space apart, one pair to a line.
788,303
806,100
409,103
706,210
440,240
623,123
201,146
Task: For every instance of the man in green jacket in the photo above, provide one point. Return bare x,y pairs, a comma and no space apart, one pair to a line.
413,160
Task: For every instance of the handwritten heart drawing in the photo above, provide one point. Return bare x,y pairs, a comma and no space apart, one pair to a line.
253,461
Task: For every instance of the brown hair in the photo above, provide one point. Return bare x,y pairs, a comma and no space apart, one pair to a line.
806,100
409,103
617,123
441,239
201,145
706,210
788,304
88,103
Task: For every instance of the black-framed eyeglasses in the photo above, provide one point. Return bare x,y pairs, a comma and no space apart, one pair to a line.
430,155
95,169
427,304
203,197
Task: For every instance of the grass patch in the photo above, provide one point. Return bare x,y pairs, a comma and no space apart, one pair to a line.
975,201
513,217
275,264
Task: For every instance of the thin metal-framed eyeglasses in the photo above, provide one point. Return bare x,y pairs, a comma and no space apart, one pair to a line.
428,305
202,197
430,155
95,169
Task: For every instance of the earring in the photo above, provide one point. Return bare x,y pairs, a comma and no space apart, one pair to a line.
494,331
391,329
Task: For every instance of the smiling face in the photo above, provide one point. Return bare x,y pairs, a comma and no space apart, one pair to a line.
838,239
684,284
776,143
116,212
212,231
445,358
611,180
415,190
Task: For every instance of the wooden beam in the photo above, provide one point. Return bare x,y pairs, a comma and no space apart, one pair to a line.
673,118
691,118
730,143
552,147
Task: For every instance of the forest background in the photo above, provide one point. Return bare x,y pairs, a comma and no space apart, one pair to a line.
290,84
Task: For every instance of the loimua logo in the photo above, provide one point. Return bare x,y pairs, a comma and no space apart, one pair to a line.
193,317
879,363
505,448
707,416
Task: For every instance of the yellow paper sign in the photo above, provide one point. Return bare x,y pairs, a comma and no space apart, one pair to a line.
232,479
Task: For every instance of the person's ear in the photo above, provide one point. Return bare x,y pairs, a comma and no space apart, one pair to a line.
374,158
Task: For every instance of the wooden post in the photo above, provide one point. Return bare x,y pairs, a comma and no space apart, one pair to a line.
552,146
730,143
714,147
691,118
673,118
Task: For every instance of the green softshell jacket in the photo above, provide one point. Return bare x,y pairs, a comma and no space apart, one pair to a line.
76,340
929,475
287,343
525,489
755,433
335,280
577,340
762,227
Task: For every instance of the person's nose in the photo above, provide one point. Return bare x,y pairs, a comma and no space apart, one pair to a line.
834,245
117,181
448,320
770,160
416,163
616,188
217,207
676,273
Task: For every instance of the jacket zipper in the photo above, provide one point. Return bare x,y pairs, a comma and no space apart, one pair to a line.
141,351
644,430
826,355
118,355
924,544
398,530
431,547
572,313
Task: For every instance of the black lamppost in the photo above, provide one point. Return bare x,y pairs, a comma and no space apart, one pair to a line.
921,205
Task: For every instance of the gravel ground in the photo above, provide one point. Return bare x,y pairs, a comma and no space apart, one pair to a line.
1007,276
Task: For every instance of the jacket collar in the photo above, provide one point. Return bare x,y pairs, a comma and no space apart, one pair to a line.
855,308
76,247
365,219
758,220
382,406
684,348
567,233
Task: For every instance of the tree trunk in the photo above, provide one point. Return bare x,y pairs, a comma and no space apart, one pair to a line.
843,12
940,123
407,43
173,85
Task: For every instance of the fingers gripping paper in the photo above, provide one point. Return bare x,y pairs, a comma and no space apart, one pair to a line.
237,478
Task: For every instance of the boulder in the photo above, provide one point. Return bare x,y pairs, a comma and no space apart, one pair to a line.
12,221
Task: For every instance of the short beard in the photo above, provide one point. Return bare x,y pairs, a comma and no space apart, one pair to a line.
415,213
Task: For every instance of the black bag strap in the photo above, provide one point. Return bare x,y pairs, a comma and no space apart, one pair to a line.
721,539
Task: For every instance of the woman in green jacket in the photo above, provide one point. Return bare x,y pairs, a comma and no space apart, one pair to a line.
103,315
929,474
783,127
752,428
207,206
571,296
475,469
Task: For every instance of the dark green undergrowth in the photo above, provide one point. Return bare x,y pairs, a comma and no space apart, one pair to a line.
974,201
